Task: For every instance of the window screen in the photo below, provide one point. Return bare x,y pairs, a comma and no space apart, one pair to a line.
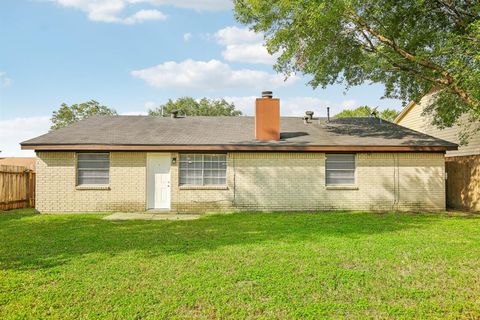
203,169
93,168
340,169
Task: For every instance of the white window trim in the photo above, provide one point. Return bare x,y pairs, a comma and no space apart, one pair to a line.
346,186
203,185
95,186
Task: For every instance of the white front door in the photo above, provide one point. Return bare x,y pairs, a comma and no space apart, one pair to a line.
158,181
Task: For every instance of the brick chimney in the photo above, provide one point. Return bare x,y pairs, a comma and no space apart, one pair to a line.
267,117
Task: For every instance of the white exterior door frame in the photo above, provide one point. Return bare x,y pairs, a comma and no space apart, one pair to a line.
158,181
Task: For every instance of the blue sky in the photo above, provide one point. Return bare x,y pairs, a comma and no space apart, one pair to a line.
132,55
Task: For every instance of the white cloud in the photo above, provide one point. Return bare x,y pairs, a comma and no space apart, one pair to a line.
213,75
5,81
111,10
245,104
235,35
243,45
134,113
296,106
198,5
249,53
187,36
145,15
350,104
13,131
292,106
147,106
150,105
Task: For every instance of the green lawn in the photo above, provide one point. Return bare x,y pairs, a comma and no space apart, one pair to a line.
250,265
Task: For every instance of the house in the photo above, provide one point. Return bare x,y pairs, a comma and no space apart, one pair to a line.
412,117
462,165
266,162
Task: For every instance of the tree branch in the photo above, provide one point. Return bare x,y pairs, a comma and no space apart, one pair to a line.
459,12
404,53
448,79
418,74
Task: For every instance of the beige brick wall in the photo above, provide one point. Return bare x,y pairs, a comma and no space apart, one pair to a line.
57,192
296,181
255,181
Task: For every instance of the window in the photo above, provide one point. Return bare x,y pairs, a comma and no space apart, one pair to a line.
203,169
340,169
93,168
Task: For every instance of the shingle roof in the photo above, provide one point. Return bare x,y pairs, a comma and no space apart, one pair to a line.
233,131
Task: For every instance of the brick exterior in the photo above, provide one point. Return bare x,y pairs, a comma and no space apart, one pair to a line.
57,192
255,181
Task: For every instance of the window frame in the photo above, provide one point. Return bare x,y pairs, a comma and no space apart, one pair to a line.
203,169
354,183
78,169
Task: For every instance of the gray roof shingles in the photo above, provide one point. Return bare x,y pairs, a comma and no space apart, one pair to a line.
231,131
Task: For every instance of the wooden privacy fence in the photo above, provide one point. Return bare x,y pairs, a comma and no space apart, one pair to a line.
463,182
17,187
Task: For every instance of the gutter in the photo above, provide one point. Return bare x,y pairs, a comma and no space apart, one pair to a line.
113,147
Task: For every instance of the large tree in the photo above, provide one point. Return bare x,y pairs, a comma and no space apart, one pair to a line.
67,115
410,46
190,107
366,111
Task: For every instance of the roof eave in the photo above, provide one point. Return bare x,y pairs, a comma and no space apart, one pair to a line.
404,112
319,148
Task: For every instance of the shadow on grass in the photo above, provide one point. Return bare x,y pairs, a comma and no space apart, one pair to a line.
31,241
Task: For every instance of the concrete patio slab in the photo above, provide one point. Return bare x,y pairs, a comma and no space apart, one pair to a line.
117,216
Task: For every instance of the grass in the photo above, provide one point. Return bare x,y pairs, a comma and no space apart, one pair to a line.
251,265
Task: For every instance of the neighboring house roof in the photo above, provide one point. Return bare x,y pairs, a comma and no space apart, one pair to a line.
413,117
233,133
412,104
28,162
404,112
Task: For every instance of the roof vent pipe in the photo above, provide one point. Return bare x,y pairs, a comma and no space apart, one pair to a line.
309,114
267,94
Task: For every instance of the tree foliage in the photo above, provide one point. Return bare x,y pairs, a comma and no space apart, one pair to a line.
366,111
67,115
410,46
190,107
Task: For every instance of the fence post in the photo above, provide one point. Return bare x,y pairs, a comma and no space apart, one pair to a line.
27,188
31,179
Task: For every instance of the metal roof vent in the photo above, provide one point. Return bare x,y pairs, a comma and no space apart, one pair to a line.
267,94
307,117
375,114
